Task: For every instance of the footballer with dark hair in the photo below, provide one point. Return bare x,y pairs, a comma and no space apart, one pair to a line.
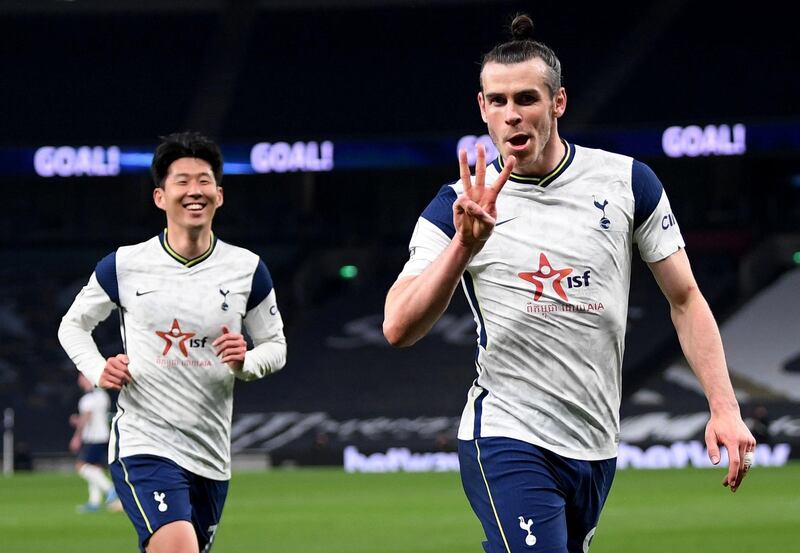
183,297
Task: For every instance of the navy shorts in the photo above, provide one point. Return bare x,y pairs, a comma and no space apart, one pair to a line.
94,454
155,491
526,496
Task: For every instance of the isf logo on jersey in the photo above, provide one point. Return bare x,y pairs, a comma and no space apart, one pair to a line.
557,279
175,336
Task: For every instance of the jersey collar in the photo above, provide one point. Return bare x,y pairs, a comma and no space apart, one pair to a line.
543,181
182,260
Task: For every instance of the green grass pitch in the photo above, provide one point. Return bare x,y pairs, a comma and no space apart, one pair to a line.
326,510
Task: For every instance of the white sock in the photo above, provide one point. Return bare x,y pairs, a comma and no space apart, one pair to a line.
95,494
95,476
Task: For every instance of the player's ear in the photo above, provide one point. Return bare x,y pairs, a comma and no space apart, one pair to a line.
560,103
220,196
158,198
482,104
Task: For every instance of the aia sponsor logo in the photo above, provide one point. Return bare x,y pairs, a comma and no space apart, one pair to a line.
180,339
556,279
668,221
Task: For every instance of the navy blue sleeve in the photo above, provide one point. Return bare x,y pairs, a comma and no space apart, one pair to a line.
261,287
440,210
647,191
106,273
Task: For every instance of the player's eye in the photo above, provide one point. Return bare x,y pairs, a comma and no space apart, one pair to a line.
497,101
526,99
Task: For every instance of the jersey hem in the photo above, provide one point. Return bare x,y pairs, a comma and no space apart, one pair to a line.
580,455
178,460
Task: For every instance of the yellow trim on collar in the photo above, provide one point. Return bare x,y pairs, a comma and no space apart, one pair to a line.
543,181
183,260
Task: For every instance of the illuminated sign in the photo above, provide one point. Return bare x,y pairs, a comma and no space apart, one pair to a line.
282,157
693,453
711,140
675,455
66,161
469,143
399,459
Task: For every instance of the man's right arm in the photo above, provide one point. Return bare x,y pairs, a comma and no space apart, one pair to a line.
415,303
91,306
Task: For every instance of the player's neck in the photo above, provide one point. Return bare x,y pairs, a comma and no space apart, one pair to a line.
188,243
552,155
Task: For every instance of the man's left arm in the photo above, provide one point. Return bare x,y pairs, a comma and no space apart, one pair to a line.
264,325
702,345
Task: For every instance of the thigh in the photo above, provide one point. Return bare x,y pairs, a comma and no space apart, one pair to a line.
516,494
583,511
208,499
175,537
154,491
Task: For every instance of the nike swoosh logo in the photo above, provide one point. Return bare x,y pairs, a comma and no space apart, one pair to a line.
138,293
506,221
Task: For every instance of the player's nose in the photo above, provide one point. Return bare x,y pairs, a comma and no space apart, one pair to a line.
512,114
193,188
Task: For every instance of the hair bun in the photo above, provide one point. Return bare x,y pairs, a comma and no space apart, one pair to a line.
522,28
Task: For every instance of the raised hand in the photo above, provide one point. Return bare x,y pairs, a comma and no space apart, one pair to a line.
115,373
475,211
231,348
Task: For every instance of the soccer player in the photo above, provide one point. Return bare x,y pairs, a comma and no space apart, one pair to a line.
544,257
183,297
90,442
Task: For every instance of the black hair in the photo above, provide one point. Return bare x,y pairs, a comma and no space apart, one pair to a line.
522,47
185,144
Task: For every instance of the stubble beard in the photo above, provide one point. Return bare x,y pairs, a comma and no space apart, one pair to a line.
525,162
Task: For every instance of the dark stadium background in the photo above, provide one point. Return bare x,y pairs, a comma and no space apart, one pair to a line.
123,73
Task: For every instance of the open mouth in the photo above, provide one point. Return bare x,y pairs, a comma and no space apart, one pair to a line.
194,206
519,141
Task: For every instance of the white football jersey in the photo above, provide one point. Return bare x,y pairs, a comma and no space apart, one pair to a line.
96,405
549,293
179,404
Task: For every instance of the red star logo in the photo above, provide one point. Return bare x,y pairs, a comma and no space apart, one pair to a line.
175,333
546,272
